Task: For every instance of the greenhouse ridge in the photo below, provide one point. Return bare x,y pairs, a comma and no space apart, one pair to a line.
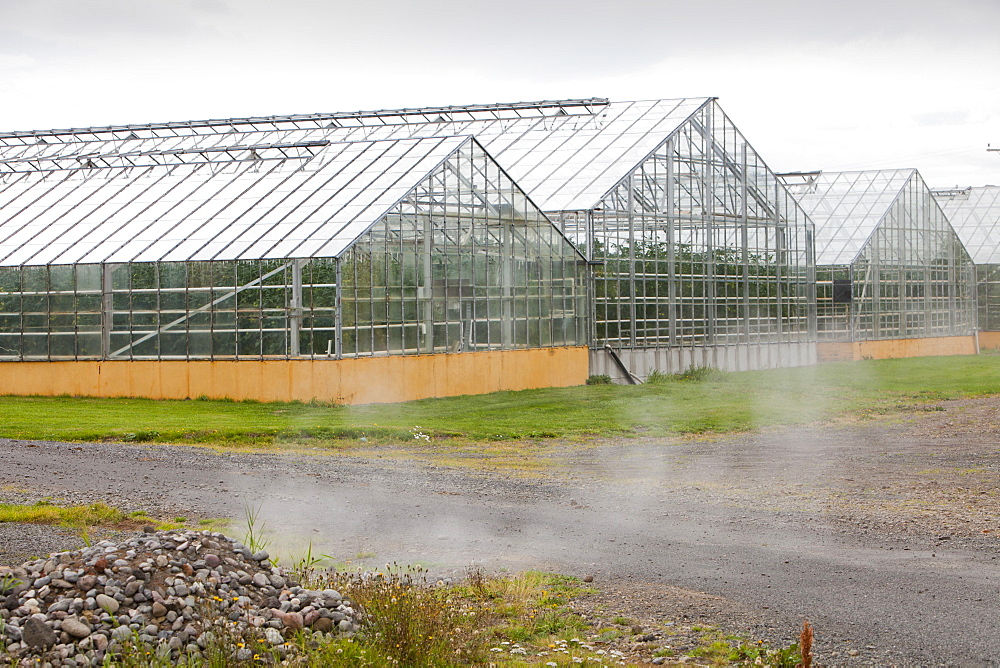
645,236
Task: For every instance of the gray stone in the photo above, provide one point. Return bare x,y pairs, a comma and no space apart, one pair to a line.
76,627
107,603
36,633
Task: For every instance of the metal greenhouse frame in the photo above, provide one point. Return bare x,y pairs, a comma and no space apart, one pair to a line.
889,265
974,212
298,249
698,255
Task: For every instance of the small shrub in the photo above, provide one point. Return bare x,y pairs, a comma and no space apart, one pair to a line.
656,377
599,379
141,436
415,624
699,372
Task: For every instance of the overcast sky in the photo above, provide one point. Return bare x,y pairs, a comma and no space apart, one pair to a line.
845,84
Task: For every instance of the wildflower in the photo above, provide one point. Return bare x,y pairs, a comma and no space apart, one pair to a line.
551,663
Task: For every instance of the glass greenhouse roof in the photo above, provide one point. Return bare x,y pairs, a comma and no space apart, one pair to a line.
238,201
975,215
846,207
566,155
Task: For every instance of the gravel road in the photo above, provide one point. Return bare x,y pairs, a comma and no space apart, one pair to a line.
884,533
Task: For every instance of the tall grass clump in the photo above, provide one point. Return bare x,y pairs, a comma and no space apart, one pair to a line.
698,372
411,622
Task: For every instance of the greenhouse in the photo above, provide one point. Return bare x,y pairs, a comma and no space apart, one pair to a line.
892,277
313,250
974,212
233,240
698,254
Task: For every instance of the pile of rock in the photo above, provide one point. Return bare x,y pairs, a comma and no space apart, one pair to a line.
174,592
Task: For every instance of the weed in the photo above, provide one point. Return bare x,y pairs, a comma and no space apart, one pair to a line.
141,436
697,372
253,537
599,379
415,624
656,376
805,645
305,568
8,583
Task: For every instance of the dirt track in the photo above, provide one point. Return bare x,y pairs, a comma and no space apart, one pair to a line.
884,534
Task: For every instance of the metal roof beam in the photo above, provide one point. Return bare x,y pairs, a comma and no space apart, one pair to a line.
543,108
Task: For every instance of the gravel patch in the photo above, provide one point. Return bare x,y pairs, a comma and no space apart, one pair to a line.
170,593
20,542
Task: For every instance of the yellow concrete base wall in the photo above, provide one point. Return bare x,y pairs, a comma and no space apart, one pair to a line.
893,348
989,339
348,381
830,351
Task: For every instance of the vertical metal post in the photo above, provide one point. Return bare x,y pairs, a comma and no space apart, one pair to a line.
591,282
295,309
928,285
672,237
779,258
876,283
107,309
338,320
745,245
708,211
631,260
812,327
903,261
428,287
506,285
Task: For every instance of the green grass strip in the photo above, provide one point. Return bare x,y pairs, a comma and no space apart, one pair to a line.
710,403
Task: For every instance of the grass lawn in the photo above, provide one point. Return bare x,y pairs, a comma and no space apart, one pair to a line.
722,402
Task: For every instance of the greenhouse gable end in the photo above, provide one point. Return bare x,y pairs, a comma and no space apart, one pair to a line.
299,269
